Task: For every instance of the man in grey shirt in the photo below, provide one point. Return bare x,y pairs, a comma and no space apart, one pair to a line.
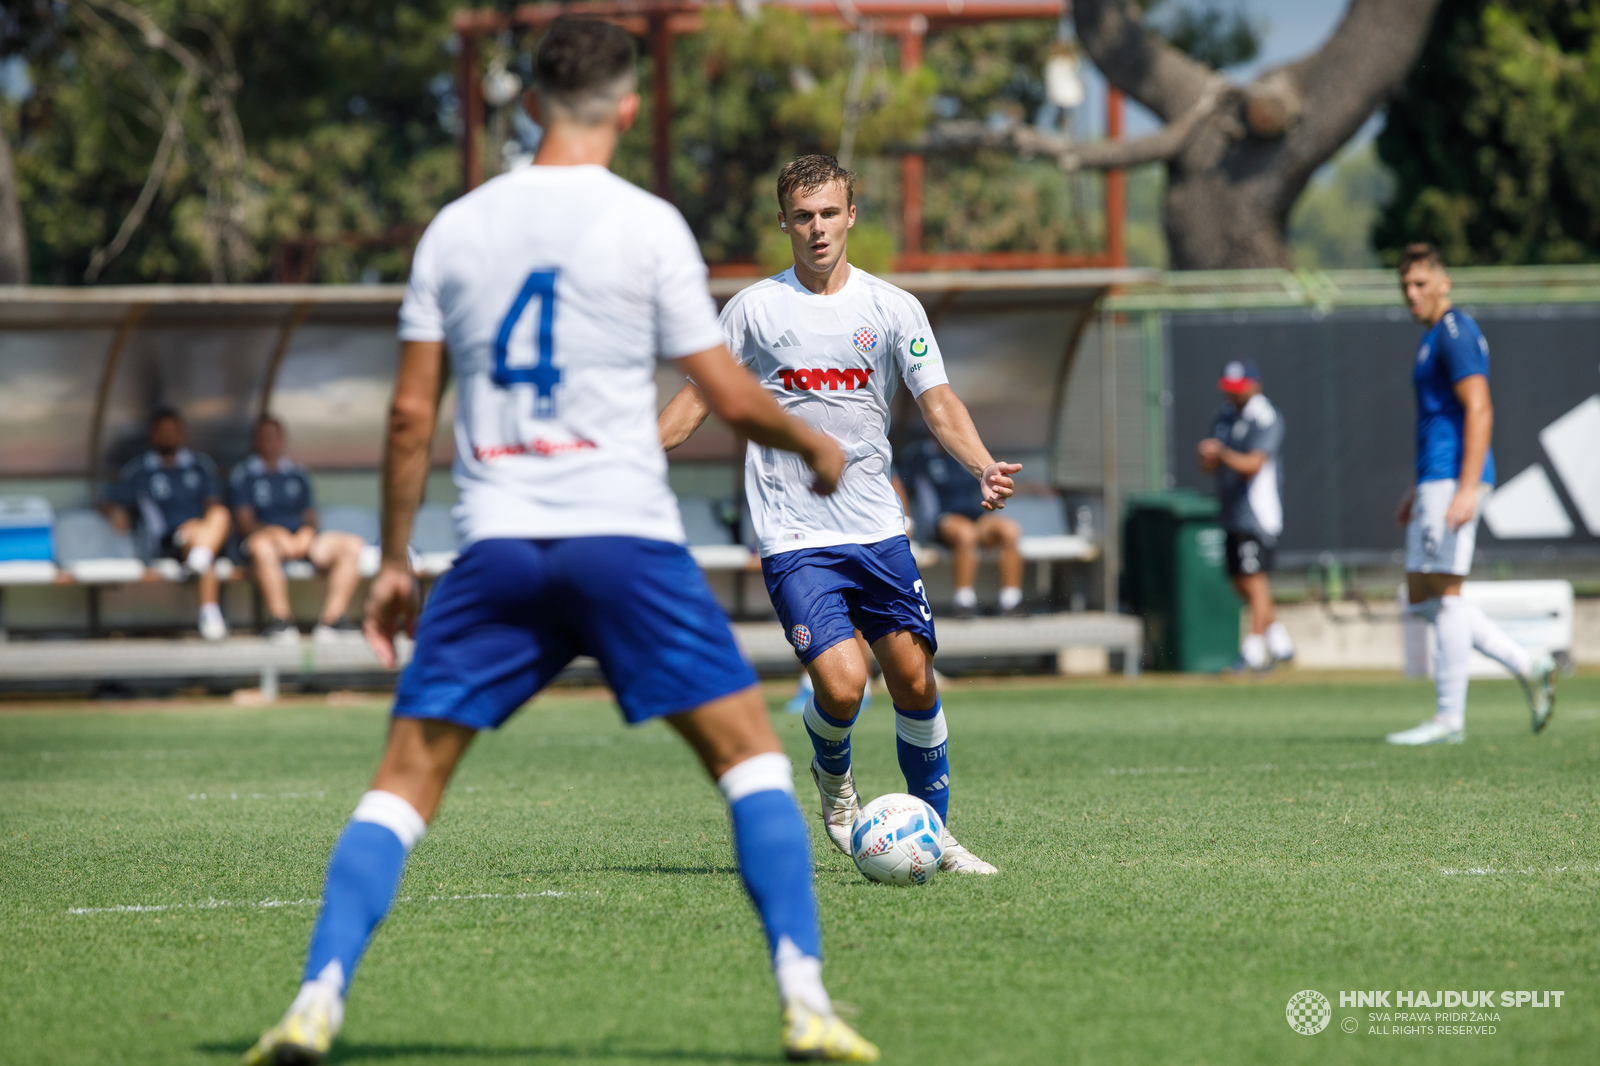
1243,451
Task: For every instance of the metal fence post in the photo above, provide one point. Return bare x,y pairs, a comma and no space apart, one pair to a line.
1112,497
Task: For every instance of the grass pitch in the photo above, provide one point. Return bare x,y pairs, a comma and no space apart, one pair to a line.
1178,858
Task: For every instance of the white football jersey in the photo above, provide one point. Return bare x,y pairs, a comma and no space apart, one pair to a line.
555,290
833,362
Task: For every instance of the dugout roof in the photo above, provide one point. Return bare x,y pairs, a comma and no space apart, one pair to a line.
80,368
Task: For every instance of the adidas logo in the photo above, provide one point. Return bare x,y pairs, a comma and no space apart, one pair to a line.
788,340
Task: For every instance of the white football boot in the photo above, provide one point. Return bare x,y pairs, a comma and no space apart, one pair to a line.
840,804
1540,688
958,859
306,1032
212,626
1432,731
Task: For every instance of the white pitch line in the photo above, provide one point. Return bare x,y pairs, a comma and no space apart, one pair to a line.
1486,871
213,904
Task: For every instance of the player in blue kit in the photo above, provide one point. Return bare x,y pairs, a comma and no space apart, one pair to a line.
554,288
830,342
1455,474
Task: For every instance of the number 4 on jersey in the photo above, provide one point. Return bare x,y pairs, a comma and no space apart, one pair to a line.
543,375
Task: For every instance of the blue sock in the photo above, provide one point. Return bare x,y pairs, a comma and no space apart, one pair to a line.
363,876
830,738
774,853
921,742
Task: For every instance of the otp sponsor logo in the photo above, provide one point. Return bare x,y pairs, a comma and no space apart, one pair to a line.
831,379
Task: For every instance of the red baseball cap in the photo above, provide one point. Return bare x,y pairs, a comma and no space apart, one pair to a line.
1237,374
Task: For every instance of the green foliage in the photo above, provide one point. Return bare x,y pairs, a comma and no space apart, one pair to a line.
749,94
1495,141
1331,224
1217,36
340,125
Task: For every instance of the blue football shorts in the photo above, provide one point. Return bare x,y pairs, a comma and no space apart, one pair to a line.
511,614
823,595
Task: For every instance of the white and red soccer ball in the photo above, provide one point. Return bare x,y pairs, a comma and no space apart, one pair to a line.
896,840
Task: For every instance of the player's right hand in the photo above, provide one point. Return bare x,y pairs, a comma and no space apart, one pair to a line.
1402,514
826,460
392,603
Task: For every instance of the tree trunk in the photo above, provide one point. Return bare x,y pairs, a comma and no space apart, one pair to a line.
1228,201
13,239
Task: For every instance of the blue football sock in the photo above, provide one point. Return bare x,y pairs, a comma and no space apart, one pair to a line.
774,851
363,876
921,742
830,738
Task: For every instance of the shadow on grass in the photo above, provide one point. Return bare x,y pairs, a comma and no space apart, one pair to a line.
356,1052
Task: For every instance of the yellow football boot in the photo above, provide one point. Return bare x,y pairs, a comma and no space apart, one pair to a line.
303,1037
812,1037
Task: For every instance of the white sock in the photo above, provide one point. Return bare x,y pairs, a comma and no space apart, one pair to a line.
1010,596
1254,650
800,977
1493,642
199,559
327,985
1454,630
1278,641
966,596
210,610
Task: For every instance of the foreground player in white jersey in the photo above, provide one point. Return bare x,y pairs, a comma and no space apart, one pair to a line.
554,288
831,342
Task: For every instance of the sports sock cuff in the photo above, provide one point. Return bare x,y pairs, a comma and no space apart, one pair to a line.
771,772
924,729
394,814
824,725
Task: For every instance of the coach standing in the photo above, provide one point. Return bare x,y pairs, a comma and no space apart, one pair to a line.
1455,474
1243,452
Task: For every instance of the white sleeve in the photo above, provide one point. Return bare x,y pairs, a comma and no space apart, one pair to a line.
686,315
736,329
921,364
421,316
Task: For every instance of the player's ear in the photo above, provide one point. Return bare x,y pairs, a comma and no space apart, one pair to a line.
850,218
530,104
627,112
783,223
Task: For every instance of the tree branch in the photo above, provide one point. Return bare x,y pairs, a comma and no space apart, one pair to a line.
1139,63
1023,140
1355,70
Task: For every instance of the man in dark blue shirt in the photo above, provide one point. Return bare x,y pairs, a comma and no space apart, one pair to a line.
1455,474
175,494
277,517
961,524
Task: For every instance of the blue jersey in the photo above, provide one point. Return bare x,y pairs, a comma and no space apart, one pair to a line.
1452,350
164,496
279,495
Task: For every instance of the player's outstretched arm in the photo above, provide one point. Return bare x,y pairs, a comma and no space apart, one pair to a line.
950,421
682,416
730,393
392,598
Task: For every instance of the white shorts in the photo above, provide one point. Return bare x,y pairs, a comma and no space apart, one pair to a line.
1431,546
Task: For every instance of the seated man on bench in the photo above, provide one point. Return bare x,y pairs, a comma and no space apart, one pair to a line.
272,504
962,525
177,497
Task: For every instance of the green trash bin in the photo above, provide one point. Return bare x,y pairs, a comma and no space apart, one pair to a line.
1175,577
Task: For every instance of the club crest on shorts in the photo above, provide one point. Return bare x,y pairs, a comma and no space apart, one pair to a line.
800,637
865,339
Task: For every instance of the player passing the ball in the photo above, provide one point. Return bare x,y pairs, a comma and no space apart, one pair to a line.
554,288
1455,474
830,342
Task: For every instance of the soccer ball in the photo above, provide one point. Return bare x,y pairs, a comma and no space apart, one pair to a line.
896,840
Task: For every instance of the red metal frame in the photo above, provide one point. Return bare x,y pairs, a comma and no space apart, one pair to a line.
662,20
